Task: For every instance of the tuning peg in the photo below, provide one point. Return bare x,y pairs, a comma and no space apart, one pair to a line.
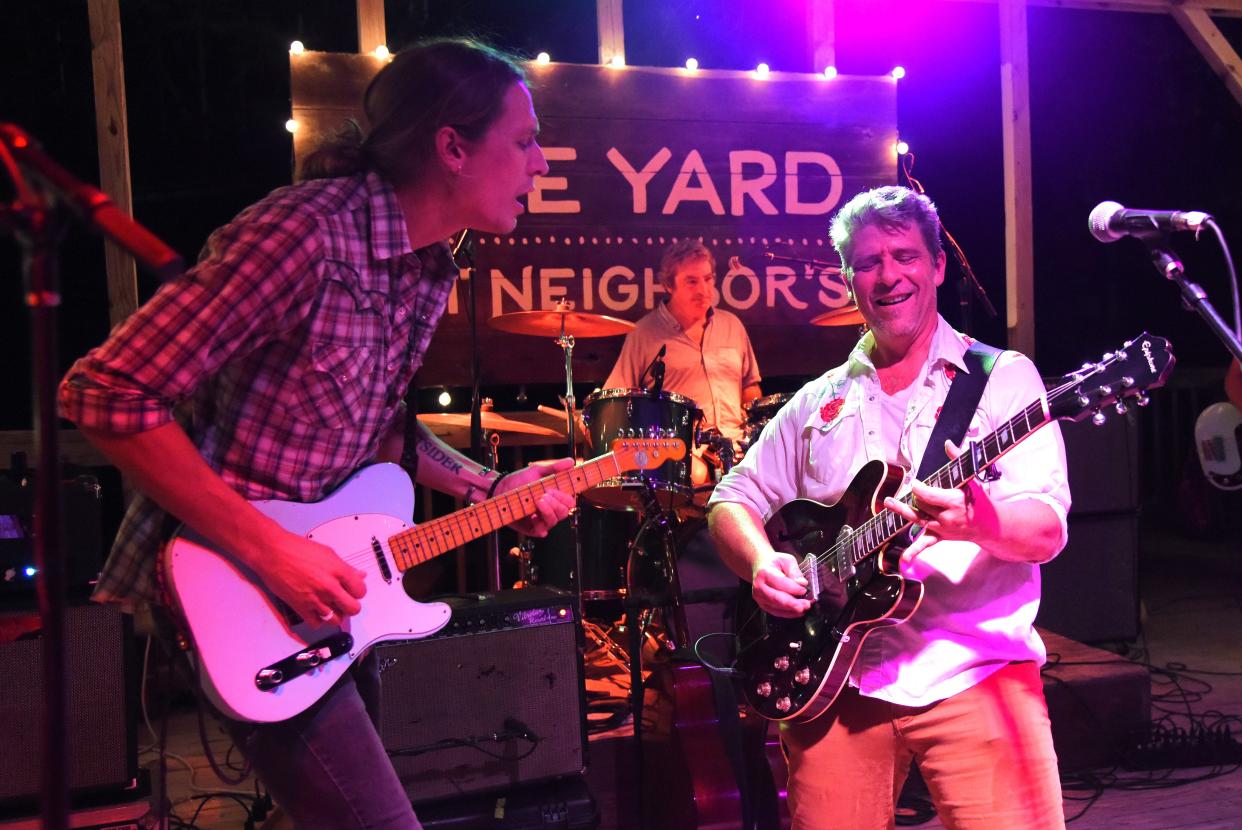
1127,382
1108,356
1120,407
1098,418
1142,399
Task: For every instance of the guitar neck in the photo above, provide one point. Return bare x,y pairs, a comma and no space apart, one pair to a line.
884,525
438,536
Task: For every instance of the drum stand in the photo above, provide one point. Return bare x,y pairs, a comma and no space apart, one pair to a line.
566,342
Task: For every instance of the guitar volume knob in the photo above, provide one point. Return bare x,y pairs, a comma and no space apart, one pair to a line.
783,704
764,689
781,663
803,676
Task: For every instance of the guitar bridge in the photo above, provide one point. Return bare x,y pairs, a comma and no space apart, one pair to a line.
306,660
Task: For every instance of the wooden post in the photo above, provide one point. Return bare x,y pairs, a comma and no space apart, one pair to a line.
1016,114
823,28
1208,39
112,131
611,24
372,31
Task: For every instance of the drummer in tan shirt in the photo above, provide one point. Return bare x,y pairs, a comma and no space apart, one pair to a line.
709,357
710,360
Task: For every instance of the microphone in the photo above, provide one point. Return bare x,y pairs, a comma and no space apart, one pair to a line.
1110,221
656,370
93,206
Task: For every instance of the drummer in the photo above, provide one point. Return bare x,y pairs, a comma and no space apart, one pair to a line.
710,360
708,357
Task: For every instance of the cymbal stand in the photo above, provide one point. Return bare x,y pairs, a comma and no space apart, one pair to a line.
566,342
492,439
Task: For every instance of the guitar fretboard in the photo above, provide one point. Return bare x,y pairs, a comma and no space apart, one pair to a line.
872,534
429,540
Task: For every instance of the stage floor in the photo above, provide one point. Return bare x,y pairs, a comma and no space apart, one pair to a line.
1192,618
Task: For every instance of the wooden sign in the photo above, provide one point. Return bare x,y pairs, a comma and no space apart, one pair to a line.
639,157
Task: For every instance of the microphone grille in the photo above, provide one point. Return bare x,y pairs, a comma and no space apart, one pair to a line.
1098,221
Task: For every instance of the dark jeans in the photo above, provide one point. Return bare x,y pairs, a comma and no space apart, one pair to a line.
327,767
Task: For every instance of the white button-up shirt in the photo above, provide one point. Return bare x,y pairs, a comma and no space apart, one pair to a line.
978,610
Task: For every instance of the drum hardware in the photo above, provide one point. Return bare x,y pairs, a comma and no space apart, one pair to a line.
564,324
621,413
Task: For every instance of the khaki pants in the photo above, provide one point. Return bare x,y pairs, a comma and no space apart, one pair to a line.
985,753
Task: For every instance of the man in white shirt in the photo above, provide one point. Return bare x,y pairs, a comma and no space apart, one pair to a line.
956,687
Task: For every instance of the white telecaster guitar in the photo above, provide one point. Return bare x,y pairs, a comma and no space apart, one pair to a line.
259,662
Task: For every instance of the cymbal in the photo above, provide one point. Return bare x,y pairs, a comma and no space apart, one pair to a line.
554,322
448,423
846,315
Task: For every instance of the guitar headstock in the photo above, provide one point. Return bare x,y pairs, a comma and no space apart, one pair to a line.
647,453
1141,364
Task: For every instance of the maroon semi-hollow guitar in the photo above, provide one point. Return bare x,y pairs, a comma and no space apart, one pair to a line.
795,668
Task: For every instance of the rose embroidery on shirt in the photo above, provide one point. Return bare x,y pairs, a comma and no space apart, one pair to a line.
829,411
950,372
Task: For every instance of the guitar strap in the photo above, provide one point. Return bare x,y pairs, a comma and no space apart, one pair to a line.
959,406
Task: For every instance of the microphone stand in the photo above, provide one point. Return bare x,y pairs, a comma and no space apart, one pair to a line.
38,228
1193,296
484,449
37,219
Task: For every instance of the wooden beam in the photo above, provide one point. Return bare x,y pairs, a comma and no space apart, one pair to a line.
611,24
1216,8
372,31
1016,127
112,132
1212,45
823,28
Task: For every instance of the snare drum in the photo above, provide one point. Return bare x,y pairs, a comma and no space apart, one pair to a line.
610,414
758,413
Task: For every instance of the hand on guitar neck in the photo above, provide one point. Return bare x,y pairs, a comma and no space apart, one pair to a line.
1017,531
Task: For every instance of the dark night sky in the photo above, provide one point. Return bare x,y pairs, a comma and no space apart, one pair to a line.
1123,108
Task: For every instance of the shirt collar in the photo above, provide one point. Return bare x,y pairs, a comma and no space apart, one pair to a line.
947,348
671,321
389,237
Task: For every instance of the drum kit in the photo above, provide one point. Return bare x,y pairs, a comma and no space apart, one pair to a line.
625,530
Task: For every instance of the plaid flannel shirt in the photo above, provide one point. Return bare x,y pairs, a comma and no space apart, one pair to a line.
285,352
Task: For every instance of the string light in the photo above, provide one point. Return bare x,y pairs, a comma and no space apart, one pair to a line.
899,72
543,59
445,398
830,72
297,47
617,61
292,125
902,148
692,64
762,70
382,52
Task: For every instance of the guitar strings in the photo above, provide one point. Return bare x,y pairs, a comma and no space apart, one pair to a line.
990,443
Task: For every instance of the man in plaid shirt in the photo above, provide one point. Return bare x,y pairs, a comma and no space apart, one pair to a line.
276,367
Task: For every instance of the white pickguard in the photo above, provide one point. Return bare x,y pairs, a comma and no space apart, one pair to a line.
236,627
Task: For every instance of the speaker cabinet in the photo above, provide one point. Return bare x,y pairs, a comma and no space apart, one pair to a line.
1090,591
101,711
493,700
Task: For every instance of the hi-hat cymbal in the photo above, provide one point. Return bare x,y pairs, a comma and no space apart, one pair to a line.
553,322
847,315
447,423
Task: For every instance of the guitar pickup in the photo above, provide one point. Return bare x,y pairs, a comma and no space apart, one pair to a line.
296,665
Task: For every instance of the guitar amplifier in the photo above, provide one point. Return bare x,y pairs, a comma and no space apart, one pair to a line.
493,700
101,705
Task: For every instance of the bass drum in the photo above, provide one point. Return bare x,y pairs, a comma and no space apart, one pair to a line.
610,414
758,413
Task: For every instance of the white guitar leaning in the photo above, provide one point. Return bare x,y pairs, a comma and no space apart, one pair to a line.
259,662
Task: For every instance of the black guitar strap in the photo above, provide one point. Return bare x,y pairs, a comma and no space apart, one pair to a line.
959,406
